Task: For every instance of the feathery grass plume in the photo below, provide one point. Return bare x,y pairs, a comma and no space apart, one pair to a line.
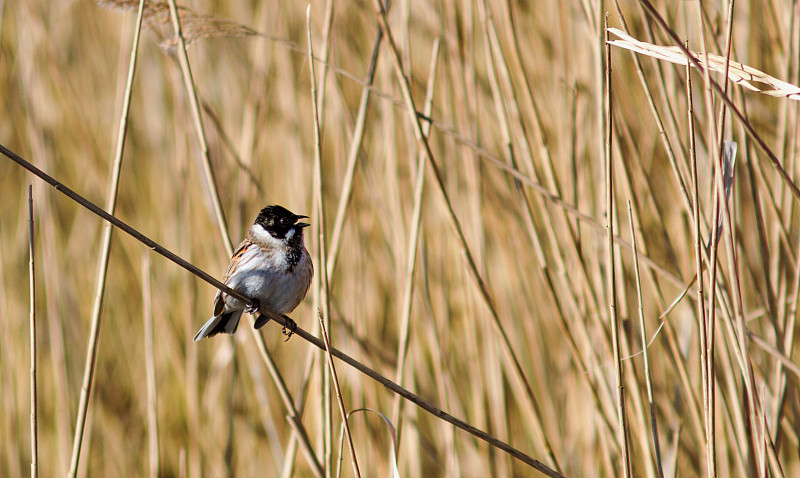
195,26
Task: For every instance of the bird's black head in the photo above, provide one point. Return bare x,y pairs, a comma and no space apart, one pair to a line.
278,220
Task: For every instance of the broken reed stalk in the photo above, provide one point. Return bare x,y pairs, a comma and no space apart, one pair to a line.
743,121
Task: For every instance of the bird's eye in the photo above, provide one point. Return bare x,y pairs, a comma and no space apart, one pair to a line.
285,221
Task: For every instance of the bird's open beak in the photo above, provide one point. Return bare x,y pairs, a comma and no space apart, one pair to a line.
301,224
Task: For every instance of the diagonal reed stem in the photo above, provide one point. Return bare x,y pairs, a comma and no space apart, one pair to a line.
392,386
424,146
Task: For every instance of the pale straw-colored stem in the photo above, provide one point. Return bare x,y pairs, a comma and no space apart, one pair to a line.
424,146
645,354
150,370
31,271
411,261
611,281
102,266
323,278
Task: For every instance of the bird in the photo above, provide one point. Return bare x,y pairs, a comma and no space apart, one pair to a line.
271,266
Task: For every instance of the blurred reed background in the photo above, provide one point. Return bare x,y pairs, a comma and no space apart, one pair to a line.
518,132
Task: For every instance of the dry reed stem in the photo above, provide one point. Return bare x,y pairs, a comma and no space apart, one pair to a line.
102,266
302,394
645,354
324,292
224,233
706,336
226,140
740,74
743,121
788,344
411,250
715,131
490,37
208,173
726,161
280,319
340,401
293,416
150,370
611,282
572,245
352,157
32,298
465,250
699,247
197,118
326,51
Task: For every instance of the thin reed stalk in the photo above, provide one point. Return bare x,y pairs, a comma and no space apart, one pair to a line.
197,118
352,157
434,167
611,281
490,37
701,306
743,121
105,248
329,377
645,353
293,416
32,289
150,371
412,247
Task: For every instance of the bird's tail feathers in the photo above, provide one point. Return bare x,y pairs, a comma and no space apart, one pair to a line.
225,323
261,321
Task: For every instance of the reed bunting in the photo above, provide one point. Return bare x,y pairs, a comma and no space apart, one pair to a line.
271,266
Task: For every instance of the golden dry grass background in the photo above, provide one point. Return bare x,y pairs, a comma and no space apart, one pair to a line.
62,74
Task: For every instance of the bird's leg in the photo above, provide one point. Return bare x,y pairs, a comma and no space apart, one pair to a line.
252,307
289,328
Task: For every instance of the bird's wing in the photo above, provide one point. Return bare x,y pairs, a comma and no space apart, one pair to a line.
219,300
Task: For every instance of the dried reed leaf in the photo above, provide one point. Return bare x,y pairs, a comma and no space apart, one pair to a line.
195,26
741,74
